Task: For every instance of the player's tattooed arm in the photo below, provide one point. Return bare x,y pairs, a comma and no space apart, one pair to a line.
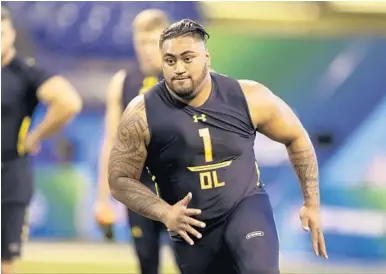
275,119
303,158
126,162
272,117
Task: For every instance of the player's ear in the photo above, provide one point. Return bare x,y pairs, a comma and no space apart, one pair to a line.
207,55
13,34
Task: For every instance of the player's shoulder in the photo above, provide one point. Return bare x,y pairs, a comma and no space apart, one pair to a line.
224,81
26,68
28,64
137,104
25,61
22,64
135,114
136,109
220,77
249,87
254,90
29,61
260,99
252,86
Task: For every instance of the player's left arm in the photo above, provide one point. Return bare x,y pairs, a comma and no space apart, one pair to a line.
272,117
60,97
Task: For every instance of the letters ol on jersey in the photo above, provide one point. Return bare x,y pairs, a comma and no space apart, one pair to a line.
208,173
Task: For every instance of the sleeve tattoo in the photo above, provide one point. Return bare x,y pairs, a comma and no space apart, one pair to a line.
126,163
306,167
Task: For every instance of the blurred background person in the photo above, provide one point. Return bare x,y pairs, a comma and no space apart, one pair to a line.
23,85
326,59
124,86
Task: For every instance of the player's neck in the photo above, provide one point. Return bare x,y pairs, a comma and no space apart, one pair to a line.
202,94
8,57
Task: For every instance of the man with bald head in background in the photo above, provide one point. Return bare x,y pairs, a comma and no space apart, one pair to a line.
124,86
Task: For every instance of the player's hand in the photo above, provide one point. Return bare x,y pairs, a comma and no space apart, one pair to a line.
32,144
103,212
310,218
179,220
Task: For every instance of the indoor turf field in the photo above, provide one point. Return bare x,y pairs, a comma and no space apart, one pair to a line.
78,257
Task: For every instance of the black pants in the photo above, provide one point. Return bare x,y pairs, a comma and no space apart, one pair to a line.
16,193
146,235
244,242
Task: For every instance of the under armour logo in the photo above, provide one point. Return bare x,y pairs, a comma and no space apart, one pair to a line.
197,118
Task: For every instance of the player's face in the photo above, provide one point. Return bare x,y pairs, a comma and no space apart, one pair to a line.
7,36
147,50
185,62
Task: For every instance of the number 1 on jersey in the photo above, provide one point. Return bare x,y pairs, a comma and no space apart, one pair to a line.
208,179
205,135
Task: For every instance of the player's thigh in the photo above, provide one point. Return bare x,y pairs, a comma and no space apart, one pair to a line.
14,229
224,262
193,259
16,182
199,258
252,236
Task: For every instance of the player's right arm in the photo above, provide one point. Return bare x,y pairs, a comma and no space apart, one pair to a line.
126,162
62,101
